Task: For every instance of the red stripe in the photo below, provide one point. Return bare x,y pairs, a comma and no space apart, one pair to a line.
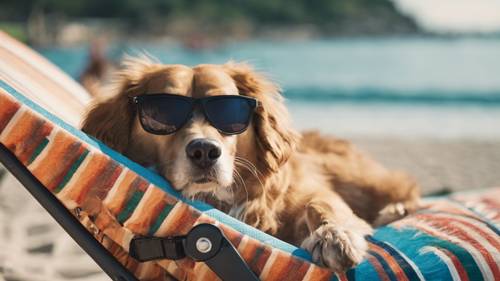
457,264
378,267
393,264
342,276
492,239
459,233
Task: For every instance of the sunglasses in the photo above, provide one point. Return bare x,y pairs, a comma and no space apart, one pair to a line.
164,114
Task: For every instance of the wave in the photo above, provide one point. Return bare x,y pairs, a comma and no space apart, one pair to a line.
368,95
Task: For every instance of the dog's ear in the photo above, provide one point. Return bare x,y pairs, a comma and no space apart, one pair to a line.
110,118
275,137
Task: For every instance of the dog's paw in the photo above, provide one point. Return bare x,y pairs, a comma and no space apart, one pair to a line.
390,213
337,248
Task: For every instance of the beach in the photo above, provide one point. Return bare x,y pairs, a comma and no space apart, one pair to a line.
440,165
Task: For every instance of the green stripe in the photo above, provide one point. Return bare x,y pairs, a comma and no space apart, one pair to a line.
38,150
130,207
71,171
161,217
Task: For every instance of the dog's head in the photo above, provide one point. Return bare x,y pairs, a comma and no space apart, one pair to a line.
197,158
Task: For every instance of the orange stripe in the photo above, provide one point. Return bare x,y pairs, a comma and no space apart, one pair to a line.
286,267
108,225
130,183
378,267
171,267
254,254
393,264
232,235
180,220
457,263
61,153
27,133
147,211
317,273
9,108
201,272
260,262
94,179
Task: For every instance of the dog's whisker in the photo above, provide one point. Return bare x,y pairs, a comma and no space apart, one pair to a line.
244,186
245,163
249,165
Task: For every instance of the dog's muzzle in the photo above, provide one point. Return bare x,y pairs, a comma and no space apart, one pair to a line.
203,153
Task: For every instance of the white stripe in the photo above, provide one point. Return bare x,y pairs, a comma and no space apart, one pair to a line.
409,261
69,203
269,263
469,208
483,242
243,243
42,155
447,260
469,230
309,272
476,254
114,189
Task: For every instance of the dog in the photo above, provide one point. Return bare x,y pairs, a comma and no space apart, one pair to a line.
317,192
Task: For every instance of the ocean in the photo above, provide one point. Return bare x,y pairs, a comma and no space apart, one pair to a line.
375,87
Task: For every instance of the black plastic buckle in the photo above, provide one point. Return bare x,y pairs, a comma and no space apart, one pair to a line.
204,242
154,248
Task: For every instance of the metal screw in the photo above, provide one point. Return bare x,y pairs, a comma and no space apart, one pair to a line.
203,245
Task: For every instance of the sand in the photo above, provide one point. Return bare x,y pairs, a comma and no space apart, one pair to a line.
440,164
34,247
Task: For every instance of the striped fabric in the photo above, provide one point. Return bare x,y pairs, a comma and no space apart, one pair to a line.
450,239
453,238
41,81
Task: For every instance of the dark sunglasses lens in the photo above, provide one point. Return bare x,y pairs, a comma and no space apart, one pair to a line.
164,115
230,115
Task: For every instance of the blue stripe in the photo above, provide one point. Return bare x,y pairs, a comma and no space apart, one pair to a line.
383,262
407,268
364,271
410,241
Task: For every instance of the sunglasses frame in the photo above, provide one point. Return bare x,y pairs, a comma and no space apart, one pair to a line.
252,102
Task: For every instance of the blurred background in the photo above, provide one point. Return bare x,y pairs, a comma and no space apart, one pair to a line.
415,83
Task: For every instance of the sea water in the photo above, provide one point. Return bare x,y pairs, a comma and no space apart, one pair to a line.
375,87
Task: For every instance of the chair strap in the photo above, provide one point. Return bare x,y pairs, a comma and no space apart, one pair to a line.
204,242
155,248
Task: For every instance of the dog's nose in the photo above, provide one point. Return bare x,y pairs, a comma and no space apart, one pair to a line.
203,152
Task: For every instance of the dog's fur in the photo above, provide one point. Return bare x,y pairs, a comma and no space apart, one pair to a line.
314,191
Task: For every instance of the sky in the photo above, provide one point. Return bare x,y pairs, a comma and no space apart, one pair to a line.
454,16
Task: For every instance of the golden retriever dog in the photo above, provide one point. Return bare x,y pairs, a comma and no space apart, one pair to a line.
314,191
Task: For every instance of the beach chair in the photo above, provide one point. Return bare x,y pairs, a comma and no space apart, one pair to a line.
137,227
